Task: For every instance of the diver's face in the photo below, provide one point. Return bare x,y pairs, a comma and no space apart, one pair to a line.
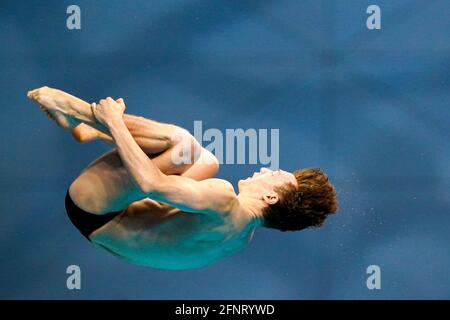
266,180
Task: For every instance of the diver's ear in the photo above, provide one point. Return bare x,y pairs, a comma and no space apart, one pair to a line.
271,198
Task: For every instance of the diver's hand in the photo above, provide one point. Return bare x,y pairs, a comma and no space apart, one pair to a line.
107,110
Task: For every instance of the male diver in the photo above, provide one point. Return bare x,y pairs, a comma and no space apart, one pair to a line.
139,204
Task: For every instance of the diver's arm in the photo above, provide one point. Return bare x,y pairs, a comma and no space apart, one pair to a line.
211,195
144,172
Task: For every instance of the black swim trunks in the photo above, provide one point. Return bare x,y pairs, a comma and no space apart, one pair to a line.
84,221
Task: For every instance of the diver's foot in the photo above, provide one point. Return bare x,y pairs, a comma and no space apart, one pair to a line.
51,99
61,119
64,103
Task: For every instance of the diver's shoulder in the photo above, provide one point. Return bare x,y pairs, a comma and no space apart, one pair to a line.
223,184
225,198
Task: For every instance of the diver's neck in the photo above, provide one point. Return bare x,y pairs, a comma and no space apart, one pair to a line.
253,207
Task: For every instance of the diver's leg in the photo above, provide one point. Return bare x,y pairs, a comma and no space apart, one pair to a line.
83,133
64,105
106,185
205,165
69,112
153,137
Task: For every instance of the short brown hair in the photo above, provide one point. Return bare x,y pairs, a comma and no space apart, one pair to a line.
305,205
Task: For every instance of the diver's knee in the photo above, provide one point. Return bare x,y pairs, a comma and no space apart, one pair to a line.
185,145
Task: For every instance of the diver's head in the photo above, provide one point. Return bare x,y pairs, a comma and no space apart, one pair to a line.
264,183
291,201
